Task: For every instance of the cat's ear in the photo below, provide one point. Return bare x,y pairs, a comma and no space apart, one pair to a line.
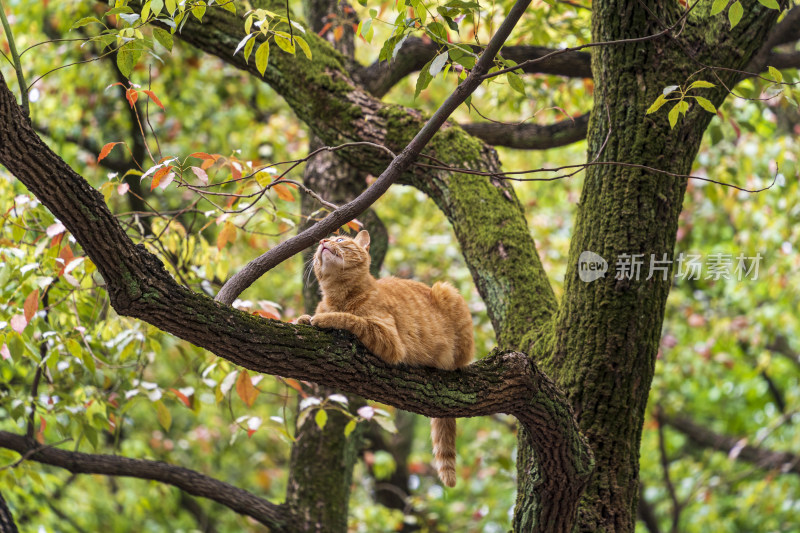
362,239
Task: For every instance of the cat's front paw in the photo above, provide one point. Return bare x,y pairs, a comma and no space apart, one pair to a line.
303,319
327,321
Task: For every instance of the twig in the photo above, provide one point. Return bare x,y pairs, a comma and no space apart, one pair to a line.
17,63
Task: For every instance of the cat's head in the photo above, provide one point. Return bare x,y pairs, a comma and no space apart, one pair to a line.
340,255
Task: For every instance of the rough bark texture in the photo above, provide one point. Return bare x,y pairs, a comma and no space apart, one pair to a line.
607,331
7,524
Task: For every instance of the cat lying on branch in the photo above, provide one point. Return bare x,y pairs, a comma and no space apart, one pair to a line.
399,320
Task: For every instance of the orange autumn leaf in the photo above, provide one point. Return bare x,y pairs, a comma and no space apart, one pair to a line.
131,95
355,225
31,305
283,193
202,155
106,150
159,175
228,234
154,98
182,397
266,314
293,383
245,389
66,257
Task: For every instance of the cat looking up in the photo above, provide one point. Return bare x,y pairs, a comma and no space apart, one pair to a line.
399,320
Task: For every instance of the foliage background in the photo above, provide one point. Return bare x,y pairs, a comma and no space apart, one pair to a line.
115,385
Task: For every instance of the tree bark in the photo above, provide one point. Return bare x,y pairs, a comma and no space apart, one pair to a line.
607,331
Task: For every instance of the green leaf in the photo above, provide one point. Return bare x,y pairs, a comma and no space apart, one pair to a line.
700,84
776,74
145,11
673,116
248,48
228,5
772,4
303,46
83,22
349,428
386,423
199,11
118,11
284,42
735,13
516,83
661,100
683,107
156,6
163,415
718,6
262,57
127,57
321,418
163,37
706,104
423,80
170,4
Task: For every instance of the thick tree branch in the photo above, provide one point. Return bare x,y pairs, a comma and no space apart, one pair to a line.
189,481
786,31
139,286
379,77
530,136
784,462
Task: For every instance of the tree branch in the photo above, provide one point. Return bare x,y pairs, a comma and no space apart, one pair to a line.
379,77
140,287
530,136
784,462
189,481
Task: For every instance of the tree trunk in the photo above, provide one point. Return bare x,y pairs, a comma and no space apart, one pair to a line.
607,331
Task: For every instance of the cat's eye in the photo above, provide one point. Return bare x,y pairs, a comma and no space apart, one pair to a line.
339,240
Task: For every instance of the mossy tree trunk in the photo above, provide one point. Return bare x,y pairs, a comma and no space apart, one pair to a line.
607,332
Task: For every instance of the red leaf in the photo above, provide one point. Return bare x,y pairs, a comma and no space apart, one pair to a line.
245,389
325,28
132,95
106,150
31,305
236,172
250,432
40,433
66,257
266,314
355,225
182,397
160,173
293,383
154,98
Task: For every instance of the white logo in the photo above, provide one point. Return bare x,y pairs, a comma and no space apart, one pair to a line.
591,266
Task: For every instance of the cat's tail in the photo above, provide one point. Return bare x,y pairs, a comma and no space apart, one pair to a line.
443,435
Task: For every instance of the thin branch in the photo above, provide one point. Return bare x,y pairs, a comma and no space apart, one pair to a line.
12,47
530,136
256,268
677,505
736,448
236,499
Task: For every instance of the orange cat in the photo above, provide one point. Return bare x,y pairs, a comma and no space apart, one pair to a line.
399,320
